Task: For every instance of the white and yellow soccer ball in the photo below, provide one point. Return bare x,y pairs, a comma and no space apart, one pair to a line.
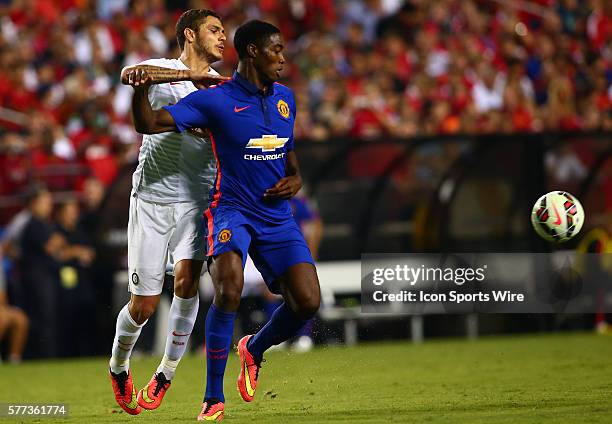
557,216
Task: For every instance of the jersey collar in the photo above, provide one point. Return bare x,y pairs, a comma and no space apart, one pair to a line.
247,86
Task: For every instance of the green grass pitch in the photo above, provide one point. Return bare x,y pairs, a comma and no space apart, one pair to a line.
529,379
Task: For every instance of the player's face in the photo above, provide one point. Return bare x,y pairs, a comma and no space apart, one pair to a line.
209,39
270,62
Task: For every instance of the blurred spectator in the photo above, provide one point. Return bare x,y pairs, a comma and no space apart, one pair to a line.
39,271
13,323
11,238
93,195
76,296
43,249
565,167
488,89
306,214
94,224
14,164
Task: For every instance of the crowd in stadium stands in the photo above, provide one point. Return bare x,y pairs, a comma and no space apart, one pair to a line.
360,69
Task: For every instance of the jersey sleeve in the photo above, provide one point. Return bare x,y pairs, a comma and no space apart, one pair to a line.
153,89
191,111
153,62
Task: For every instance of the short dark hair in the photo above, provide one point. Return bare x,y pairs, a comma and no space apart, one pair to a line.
34,190
252,32
191,19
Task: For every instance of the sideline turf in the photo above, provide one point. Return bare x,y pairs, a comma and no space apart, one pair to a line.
563,378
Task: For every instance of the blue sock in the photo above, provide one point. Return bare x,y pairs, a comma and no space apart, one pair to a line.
270,307
307,329
282,326
219,329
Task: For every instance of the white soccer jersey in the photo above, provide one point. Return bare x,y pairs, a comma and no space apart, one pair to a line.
173,167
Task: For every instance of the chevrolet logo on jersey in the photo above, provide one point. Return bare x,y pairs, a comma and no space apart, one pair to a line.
267,143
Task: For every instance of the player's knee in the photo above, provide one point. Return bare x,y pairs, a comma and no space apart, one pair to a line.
140,311
309,306
228,296
228,282
185,287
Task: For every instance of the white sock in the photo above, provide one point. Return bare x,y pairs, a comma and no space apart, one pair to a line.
126,334
182,316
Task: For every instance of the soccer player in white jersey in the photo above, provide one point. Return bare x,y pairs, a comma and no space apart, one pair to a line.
169,194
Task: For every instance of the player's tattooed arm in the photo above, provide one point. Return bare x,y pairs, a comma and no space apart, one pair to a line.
288,186
148,74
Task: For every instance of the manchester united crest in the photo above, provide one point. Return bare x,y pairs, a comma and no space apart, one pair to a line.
224,236
283,108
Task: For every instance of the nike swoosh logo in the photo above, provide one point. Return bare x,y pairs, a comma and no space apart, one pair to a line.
247,380
558,221
174,333
145,395
240,109
214,416
134,402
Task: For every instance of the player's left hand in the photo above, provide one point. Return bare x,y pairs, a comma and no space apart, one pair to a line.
285,188
137,77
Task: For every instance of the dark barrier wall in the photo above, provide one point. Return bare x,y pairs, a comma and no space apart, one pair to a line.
451,193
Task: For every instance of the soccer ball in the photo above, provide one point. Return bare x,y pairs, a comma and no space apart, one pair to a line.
557,216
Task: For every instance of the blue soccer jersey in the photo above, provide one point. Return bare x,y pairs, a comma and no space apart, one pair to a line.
251,135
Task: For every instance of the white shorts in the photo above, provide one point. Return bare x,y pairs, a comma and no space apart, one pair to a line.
158,233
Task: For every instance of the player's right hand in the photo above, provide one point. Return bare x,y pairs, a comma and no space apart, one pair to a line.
285,188
205,80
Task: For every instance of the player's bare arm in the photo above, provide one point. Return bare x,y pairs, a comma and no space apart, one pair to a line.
288,186
139,75
147,120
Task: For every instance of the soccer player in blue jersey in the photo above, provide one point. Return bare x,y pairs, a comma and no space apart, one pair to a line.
250,119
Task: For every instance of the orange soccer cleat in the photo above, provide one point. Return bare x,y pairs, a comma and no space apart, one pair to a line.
212,412
151,395
125,394
249,371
